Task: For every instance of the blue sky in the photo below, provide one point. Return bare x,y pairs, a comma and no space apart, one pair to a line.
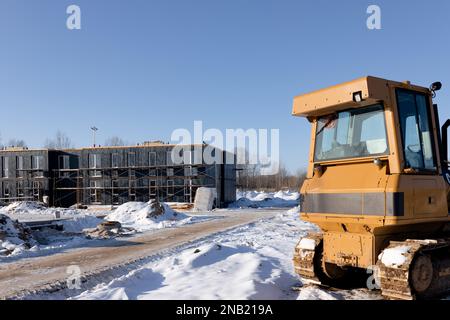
140,69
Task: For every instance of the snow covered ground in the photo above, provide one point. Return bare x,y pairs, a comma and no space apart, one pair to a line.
48,241
36,211
250,262
135,215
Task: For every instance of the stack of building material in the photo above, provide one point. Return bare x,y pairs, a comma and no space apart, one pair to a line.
205,199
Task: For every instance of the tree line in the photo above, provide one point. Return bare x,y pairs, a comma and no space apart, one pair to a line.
249,177
59,141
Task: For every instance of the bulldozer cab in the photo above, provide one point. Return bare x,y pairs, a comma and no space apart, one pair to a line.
362,132
375,153
353,120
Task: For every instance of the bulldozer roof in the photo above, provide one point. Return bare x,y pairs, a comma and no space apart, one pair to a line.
342,96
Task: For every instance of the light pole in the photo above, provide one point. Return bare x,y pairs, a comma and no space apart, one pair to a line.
94,130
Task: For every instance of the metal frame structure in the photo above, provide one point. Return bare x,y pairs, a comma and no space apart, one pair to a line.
159,189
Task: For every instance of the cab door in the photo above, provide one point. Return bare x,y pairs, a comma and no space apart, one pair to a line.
422,176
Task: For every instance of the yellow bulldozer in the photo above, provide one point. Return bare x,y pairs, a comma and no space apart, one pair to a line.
378,188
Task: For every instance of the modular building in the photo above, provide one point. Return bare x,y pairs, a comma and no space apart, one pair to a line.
113,175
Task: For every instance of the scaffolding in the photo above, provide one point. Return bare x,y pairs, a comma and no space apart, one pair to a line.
116,185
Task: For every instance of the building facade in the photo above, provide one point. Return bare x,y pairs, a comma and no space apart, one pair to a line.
112,175
25,174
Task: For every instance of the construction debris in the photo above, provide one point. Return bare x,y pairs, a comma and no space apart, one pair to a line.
14,236
106,230
156,209
180,206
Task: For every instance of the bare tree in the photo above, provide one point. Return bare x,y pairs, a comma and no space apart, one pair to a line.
61,141
114,141
17,143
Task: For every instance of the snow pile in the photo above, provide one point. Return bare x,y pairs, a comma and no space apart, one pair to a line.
287,195
254,199
24,207
28,209
394,257
307,244
14,237
144,216
256,196
79,223
262,196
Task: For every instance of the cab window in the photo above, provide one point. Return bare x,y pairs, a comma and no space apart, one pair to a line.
352,133
416,130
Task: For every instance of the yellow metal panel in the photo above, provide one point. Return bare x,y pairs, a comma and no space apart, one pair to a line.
340,96
309,173
347,178
393,131
349,249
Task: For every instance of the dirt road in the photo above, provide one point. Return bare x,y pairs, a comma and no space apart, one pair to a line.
44,273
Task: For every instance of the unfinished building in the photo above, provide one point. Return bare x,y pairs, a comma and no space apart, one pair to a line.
112,175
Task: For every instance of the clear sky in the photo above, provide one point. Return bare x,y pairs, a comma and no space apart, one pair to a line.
140,69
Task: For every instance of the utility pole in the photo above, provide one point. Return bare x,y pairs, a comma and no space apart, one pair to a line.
94,130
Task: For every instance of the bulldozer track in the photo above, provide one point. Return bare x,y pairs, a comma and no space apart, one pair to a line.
424,274
413,280
304,258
